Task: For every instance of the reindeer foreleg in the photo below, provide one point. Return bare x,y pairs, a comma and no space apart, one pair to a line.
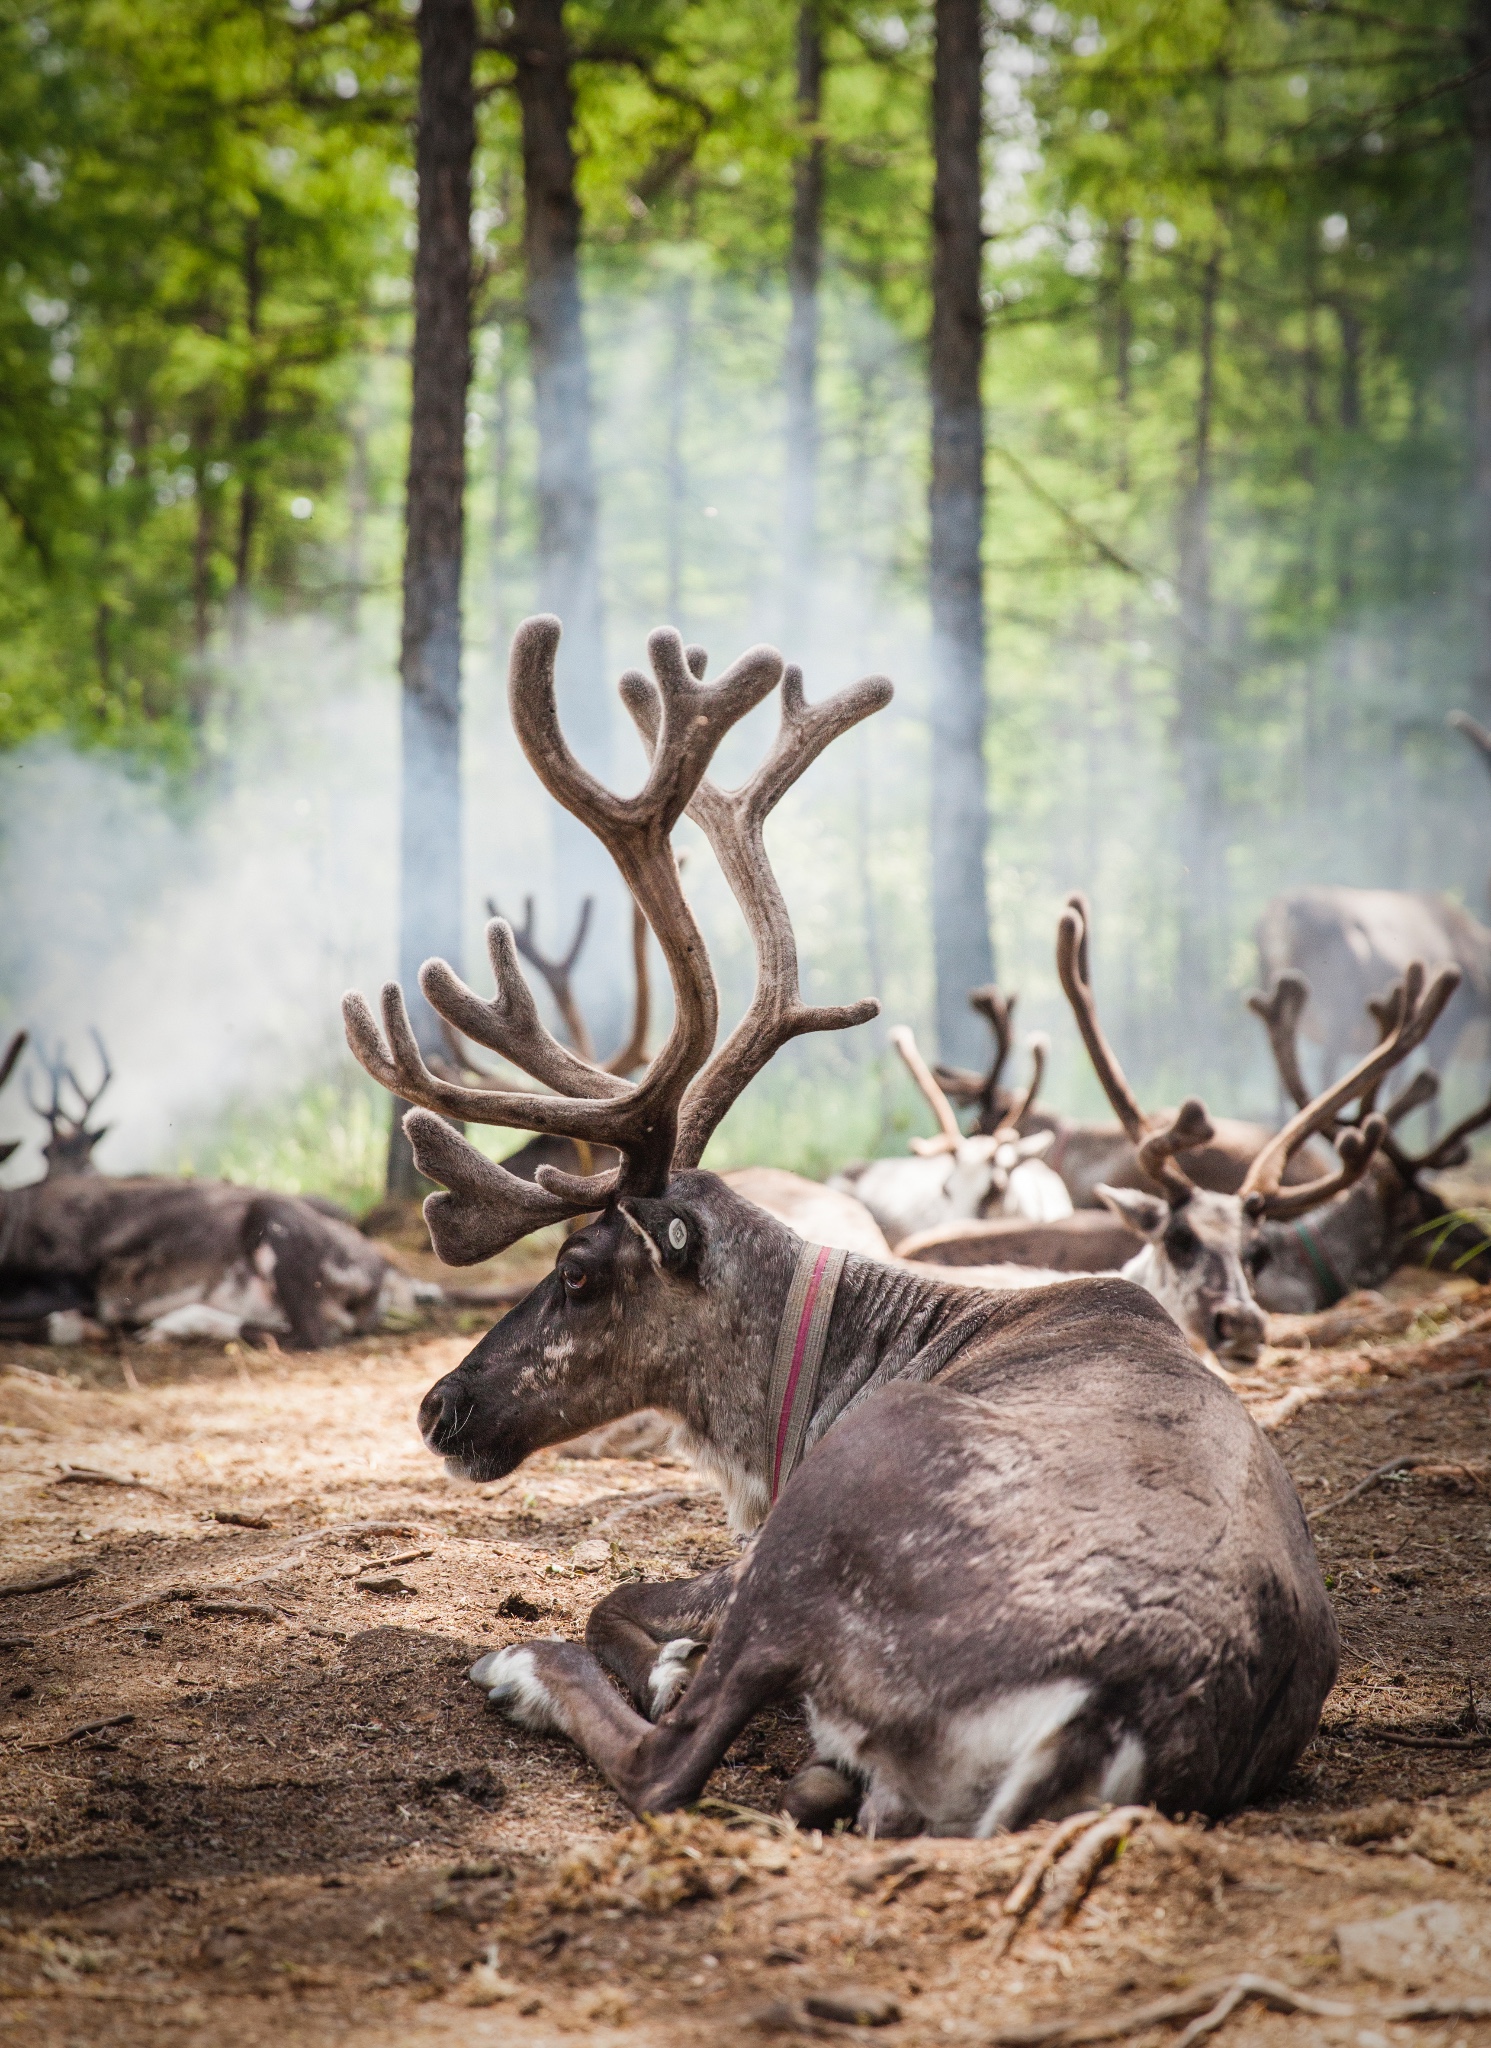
560,1688
653,1637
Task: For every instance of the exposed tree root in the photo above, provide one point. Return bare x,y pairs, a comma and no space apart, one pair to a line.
1209,2006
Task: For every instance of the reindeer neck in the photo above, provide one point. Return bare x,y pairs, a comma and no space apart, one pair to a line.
887,1324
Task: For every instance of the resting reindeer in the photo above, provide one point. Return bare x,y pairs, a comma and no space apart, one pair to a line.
1086,1154
954,1177
1035,1556
1390,1216
1353,943
1201,1249
175,1258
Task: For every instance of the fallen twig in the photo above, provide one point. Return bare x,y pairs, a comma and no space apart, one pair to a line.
47,1579
84,1728
1403,1741
1430,1383
237,1521
88,1475
383,1564
253,1610
1373,1478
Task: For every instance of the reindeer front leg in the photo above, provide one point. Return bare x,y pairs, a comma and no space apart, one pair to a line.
560,1688
653,1637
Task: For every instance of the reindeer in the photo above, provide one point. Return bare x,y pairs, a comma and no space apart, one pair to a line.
1353,943
175,1258
70,1146
8,1060
1200,1248
954,1177
1085,1154
1017,1554
1364,1234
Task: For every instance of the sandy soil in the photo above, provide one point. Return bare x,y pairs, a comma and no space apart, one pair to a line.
249,1797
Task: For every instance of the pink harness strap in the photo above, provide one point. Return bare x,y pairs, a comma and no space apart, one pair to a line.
801,1340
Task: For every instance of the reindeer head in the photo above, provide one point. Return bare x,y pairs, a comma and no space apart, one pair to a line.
981,1162
1201,1249
635,1297
69,1149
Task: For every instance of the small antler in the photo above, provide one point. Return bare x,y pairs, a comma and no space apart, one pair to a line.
1021,1105
1076,981
1281,1010
556,973
627,1058
963,1086
950,1134
734,822
1412,1012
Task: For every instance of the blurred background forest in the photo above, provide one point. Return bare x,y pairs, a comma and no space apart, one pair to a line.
1232,546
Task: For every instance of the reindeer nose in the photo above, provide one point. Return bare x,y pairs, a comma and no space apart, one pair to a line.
439,1414
1237,1332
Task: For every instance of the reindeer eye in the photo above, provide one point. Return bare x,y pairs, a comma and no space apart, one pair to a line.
1259,1257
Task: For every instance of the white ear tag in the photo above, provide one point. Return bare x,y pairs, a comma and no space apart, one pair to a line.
678,1233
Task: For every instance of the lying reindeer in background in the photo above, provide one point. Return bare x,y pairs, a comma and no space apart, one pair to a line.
1362,1236
1085,1154
953,1177
1036,1556
176,1258
1202,1251
8,1061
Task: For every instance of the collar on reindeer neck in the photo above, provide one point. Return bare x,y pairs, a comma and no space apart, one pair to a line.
801,1341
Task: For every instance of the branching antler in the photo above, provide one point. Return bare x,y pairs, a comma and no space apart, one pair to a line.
665,1119
1479,738
1157,1147
965,1087
1410,1014
1280,1011
69,1147
734,823
949,1131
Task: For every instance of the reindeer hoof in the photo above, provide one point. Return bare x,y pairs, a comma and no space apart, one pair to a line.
675,1666
510,1680
819,1795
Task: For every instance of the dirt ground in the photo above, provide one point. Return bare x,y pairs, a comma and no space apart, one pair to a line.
249,1797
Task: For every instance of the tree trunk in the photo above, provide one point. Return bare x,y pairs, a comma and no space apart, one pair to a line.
569,580
253,423
962,950
804,269
1195,725
430,653
1478,117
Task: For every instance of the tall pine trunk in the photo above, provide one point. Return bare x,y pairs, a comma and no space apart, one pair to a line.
1201,911
1478,115
569,573
804,270
963,953
430,652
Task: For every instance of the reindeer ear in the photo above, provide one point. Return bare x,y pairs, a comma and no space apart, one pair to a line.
669,1228
1148,1214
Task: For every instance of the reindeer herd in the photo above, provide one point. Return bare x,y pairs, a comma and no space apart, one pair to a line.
1084,1576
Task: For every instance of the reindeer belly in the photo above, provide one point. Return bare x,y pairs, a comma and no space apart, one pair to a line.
1086,1590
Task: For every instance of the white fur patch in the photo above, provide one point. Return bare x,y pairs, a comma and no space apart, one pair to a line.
676,1662
1123,1779
1015,1736
509,1680
195,1319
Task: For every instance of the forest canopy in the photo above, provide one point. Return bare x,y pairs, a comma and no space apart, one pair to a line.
1235,548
